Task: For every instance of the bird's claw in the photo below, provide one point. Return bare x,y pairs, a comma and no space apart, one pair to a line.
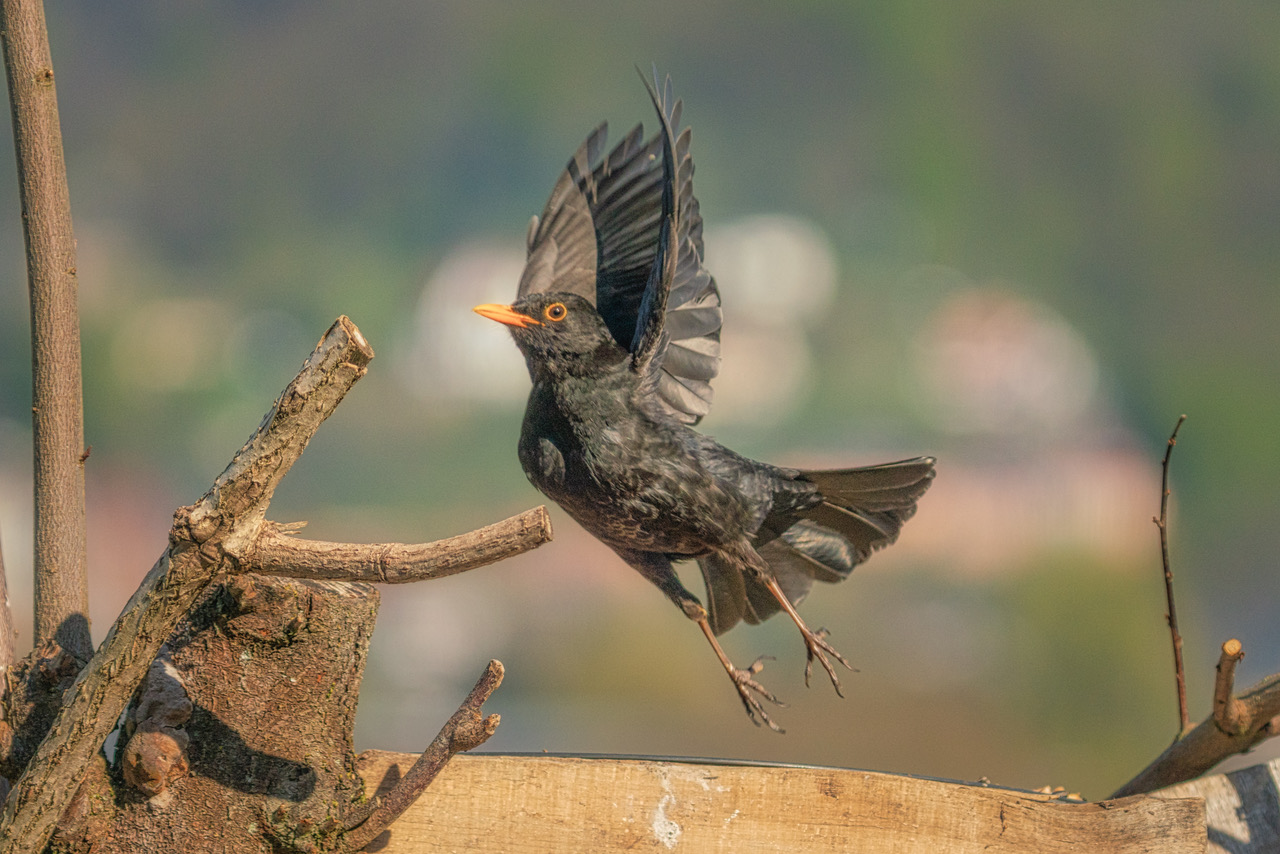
816,646
744,681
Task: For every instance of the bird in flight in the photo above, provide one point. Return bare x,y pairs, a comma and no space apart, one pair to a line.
619,324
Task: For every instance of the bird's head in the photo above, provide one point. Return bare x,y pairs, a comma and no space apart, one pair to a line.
557,332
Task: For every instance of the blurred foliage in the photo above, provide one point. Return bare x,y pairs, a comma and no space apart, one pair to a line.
256,170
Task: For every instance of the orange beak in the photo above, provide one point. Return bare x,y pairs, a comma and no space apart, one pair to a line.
505,314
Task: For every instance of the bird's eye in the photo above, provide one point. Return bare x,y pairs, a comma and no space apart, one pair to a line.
556,311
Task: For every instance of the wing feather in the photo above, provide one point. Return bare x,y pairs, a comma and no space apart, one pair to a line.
624,231
681,302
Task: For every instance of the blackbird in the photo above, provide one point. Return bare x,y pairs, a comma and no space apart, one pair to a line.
619,324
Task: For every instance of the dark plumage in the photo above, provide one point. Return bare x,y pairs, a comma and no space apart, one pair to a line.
619,324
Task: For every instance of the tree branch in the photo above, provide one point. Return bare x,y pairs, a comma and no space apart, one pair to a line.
1228,712
6,662
466,730
1162,522
7,631
277,553
1237,725
61,585
203,542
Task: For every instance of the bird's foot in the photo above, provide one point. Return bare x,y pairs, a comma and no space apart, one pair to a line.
744,680
816,646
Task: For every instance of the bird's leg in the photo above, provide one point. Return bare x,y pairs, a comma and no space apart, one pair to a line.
744,680
657,568
815,643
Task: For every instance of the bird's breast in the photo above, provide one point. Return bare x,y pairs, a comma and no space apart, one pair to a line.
631,481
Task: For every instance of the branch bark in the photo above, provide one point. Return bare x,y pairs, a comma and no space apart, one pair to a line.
276,552
203,542
1229,713
466,730
7,630
1237,725
6,662
1162,522
61,585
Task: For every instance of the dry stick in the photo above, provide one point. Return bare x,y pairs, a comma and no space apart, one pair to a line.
277,553
7,631
1229,713
466,730
1237,723
225,520
1162,522
216,535
62,590
6,661
1207,744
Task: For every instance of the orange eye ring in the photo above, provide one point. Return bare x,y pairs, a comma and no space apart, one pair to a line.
555,312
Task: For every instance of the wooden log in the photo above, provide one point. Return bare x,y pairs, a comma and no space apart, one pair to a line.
524,804
1242,809
270,670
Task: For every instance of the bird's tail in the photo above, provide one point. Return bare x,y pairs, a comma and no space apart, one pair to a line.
862,510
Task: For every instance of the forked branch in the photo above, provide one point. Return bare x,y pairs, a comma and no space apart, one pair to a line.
1238,724
466,730
226,533
231,512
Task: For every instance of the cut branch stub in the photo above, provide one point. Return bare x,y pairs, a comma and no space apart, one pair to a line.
237,502
225,534
1229,712
202,542
1237,725
277,553
467,729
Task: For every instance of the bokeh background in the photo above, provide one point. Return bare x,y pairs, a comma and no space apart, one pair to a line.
1024,238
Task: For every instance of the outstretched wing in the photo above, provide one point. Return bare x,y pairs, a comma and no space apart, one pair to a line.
601,237
676,347
592,229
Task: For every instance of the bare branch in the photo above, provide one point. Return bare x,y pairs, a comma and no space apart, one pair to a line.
7,631
204,541
278,553
1162,522
62,590
466,730
1252,715
1228,712
6,661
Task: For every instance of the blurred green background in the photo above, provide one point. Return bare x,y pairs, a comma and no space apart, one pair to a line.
1024,238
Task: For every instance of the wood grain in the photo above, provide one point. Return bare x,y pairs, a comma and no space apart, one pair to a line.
525,804
1242,809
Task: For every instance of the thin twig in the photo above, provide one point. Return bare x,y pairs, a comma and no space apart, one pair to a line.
466,730
1229,713
1162,522
278,553
61,585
